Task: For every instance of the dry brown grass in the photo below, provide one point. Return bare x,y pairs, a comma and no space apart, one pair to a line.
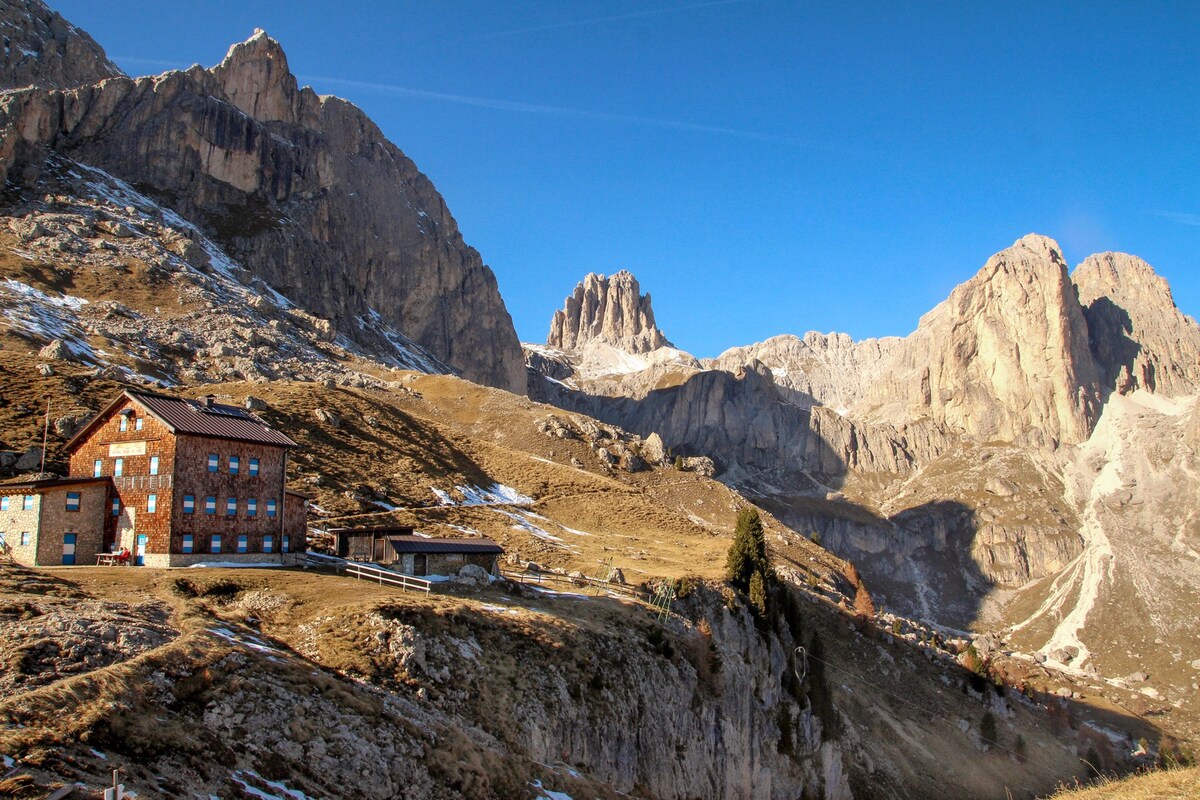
1171,784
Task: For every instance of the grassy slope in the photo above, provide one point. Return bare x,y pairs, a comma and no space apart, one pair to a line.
1177,784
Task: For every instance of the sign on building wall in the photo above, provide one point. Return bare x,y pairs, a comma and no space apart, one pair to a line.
126,449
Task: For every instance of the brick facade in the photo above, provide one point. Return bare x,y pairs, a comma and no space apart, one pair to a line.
148,467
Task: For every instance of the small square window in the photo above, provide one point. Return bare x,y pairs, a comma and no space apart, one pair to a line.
253,466
210,504
153,465
231,507
118,467
72,501
251,507
116,507
98,468
243,544
137,424
27,503
3,504
151,503
25,538
234,464
270,508
188,541
268,544
214,462
216,543
124,424
189,503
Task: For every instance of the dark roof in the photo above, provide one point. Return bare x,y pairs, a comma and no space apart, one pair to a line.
419,544
380,530
195,418
48,483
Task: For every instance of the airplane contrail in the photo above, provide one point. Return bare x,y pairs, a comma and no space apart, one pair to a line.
567,112
652,12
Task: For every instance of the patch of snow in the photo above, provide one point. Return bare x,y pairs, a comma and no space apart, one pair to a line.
549,794
233,564
244,639
555,593
30,311
498,609
98,754
244,777
523,524
9,763
464,529
496,495
386,506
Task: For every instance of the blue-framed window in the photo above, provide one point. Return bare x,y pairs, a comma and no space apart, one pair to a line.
116,507
251,507
253,467
189,504
98,468
123,425
235,464
151,504
153,465
216,543
243,544
118,467
188,543
25,538
287,543
27,503
210,504
72,501
214,462
137,423
268,544
270,508
3,504
231,507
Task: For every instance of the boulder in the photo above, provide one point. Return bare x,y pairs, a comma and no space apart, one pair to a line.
327,417
255,404
56,350
30,459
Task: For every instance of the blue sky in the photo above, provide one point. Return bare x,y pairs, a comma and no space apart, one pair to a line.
762,167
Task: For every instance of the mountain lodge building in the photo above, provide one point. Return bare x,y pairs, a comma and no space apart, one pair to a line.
175,481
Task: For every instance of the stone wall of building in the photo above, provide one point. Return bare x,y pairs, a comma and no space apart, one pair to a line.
193,478
135,447
16,520
87,523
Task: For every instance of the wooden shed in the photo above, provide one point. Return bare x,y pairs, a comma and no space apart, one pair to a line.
398,548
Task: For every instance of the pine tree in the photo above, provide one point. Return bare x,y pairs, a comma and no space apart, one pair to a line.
748,553
758,594
864,606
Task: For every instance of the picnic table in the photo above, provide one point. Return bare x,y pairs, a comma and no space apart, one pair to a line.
109,560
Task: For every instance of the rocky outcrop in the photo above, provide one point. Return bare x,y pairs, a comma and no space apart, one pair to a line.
607,309
825,369
303,191
43,49
1005,357
1139,338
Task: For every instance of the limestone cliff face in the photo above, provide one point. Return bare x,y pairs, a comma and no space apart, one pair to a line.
43,49
1139,338
302,190
608,309
1005,357
817,369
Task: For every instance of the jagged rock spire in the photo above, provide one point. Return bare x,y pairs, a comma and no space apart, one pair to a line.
609,309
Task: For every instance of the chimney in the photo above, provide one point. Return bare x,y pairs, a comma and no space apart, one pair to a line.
208,400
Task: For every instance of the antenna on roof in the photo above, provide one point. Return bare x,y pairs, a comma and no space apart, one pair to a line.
45,435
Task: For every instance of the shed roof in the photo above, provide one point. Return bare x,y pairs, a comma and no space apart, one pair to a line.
419,544
195,418
42,484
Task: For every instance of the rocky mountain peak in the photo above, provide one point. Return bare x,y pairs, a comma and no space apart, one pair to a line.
43,49
255,77
610,309
1139,338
